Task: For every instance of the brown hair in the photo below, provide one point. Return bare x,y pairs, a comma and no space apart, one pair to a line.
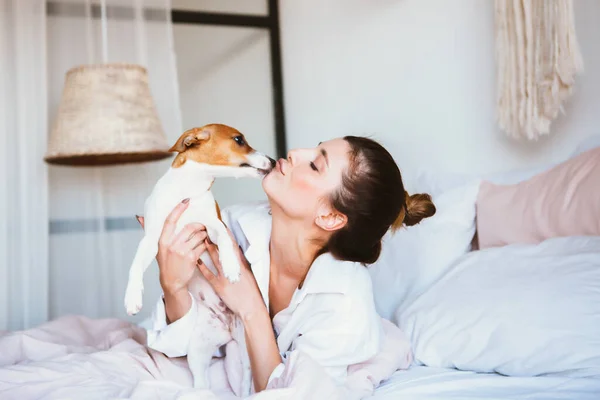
373,198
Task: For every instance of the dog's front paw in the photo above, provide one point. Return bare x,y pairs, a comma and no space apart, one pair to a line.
133,298
231,266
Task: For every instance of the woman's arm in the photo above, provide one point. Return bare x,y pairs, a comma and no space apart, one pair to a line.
177,304
244,299
262,346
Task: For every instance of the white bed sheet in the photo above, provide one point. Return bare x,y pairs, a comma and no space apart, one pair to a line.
425,383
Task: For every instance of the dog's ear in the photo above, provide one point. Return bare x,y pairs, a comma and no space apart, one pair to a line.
189,138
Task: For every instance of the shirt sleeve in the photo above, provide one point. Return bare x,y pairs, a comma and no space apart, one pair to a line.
341,331
171,339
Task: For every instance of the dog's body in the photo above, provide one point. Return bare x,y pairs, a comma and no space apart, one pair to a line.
204,154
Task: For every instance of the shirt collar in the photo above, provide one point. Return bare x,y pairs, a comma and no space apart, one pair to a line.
326,275
256,227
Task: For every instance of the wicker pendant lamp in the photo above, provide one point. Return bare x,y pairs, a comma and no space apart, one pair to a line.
107,115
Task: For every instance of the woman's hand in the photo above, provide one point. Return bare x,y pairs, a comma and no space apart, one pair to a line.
242,297
177,257
179,253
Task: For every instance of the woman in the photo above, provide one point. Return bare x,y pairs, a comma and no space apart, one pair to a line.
305,286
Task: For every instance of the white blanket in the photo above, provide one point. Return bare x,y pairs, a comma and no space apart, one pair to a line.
77,357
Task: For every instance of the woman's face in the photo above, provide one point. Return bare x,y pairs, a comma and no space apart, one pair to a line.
301,184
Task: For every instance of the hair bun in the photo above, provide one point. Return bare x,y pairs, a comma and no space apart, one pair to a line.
418,207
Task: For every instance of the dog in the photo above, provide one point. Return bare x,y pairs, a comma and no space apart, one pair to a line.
203,154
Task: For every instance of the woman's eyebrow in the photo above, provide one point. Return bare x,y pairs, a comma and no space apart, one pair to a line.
324,154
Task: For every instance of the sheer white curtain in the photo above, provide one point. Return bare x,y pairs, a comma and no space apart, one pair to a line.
23,173
93,231
68,234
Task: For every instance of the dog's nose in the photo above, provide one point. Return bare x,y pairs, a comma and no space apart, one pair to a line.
273,162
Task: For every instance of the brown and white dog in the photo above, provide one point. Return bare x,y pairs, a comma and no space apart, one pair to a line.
203,154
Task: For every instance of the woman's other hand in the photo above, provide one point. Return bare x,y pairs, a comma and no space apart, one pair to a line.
242,297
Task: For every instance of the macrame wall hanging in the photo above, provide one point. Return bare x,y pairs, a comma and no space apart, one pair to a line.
538,58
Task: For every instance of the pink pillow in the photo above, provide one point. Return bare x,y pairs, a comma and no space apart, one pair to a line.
563,201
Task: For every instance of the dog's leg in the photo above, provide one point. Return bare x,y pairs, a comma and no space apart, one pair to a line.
227,250
146,252
199,362
211,331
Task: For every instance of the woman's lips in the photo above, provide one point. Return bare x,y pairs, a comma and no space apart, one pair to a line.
279,166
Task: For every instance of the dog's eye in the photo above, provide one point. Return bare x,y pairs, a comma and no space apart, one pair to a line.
239,140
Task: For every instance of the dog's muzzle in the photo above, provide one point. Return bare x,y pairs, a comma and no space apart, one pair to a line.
261,162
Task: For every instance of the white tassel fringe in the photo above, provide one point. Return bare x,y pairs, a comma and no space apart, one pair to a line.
537,59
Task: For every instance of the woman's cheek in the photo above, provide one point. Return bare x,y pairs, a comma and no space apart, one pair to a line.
297,192
302,185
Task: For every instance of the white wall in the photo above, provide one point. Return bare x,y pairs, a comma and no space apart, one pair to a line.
420,77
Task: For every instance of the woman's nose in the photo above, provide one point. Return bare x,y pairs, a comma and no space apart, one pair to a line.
291,156
297,155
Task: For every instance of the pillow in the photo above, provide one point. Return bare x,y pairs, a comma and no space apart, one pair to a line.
520,310
413,258
436,183
563,201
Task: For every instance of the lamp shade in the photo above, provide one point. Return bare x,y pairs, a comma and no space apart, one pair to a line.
106,116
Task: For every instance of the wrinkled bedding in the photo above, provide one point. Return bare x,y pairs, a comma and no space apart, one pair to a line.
78,357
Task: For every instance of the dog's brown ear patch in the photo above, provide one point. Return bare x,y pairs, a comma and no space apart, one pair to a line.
190,138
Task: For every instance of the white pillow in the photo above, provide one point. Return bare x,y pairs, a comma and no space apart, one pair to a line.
413,258
520,310
436,183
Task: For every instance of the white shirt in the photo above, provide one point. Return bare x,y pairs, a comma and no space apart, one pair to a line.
332,318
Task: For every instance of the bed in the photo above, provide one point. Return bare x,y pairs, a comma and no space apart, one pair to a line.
105,359
516,321
424,383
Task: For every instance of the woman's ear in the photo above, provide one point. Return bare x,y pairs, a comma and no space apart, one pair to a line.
331,221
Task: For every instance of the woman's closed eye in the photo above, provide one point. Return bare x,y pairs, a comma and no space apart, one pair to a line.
313,166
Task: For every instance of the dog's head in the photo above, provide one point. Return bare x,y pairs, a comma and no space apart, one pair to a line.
219,145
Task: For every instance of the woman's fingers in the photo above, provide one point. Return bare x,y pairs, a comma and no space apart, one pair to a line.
198,251
198,241
242,257
214,255
172,218
140,219
188,233
195,239
207,273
